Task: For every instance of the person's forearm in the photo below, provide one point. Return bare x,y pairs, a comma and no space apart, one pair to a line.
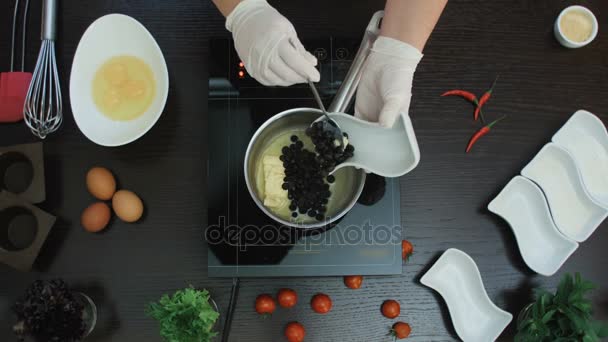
226,6
411,21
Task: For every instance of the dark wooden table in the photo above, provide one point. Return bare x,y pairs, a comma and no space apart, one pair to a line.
443,200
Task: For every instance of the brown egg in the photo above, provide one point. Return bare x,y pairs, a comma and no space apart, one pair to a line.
127,206
101,183
95,217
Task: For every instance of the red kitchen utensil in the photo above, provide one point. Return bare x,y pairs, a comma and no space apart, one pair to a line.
14,84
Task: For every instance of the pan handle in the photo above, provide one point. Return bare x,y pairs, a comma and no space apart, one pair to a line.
348,88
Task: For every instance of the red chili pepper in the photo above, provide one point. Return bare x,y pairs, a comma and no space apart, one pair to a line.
462,93
484,98
467,96
480,133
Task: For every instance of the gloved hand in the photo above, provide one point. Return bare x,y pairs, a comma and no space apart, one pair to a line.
268,45
385,89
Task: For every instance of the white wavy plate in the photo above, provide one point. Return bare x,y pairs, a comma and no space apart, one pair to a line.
574,212
586,138
522,204
388,152
456,278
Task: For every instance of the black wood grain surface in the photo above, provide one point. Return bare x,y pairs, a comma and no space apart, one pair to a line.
443,199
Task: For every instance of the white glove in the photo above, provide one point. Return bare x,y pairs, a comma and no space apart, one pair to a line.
385,89
268,45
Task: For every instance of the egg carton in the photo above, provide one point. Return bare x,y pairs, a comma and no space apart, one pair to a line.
22,171
23,230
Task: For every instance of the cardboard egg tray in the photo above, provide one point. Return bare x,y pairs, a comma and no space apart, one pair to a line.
23,226
22,171
23,230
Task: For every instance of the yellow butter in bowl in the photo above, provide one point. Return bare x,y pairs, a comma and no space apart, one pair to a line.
274,172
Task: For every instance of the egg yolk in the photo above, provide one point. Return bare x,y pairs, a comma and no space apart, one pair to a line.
124,88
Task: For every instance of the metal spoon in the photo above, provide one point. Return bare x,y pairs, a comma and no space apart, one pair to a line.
329,125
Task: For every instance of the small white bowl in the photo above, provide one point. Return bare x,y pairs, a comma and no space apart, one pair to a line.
565,41
456,277
109,36
523,205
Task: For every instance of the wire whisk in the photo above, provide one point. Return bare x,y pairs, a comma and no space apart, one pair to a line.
43,110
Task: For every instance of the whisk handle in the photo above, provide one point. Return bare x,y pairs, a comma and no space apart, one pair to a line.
49,19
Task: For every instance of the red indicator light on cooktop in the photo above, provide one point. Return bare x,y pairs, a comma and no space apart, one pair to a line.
241,65
241,74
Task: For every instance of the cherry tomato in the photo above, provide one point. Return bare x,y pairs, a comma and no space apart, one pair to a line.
353,282
391,308
287,298
406,249
295,332
264,304
401,330
321,303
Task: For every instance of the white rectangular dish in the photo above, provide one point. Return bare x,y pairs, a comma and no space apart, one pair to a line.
574,212
456,278
522,204
585,137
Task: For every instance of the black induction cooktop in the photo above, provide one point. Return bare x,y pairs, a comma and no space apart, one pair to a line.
242,240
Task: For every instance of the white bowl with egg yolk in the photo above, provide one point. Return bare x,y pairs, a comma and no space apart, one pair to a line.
108,37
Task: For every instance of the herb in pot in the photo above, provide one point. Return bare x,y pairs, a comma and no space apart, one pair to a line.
49,311
563,316
185,316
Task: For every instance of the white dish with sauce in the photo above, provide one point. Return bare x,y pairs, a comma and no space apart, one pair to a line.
523,205
585,137
111,36
456,278
574,212
575,27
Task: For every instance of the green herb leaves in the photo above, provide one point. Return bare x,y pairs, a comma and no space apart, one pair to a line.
186,316
564,316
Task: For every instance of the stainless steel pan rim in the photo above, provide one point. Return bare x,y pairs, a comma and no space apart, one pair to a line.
359,181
